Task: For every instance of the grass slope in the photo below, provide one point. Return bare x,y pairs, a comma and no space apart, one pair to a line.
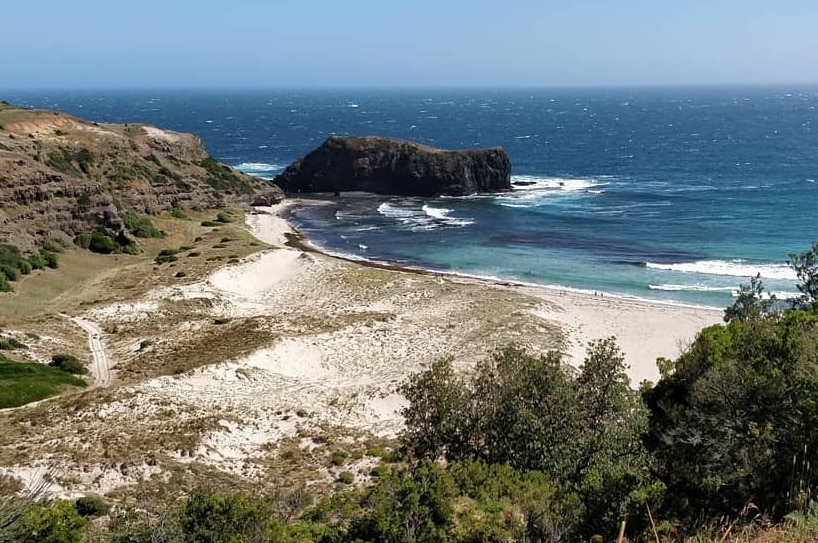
26,382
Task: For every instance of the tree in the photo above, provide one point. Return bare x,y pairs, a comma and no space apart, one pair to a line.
751,303
729,423
532,413
806,268
407,506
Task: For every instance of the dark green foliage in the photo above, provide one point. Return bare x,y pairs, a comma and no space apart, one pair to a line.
167,255
211,224
2,146
530,412
100,242
12,273
224,217
178,213
62,163
141,227
806,268
751,303
736,419
22,383
65,160
346,477
13,264
207,517
50,258
57,523
68,363
83,240
220,246
407,505
222,178
338,458
194,253
11,344
91,506
152,158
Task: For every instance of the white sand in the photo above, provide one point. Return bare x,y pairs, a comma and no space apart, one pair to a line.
644,331
342,337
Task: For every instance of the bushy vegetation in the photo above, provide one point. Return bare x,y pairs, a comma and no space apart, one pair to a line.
222,178
68,363
526,449
141,227
22,382
70,162
13,264
100,241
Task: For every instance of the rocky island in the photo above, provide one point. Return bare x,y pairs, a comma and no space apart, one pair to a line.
390,166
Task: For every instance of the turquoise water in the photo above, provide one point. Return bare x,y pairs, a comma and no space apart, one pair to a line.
676,195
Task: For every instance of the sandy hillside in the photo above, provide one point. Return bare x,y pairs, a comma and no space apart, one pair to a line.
321,345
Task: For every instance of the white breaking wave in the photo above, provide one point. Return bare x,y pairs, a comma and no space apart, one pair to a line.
436,212
525,183
531,191
732,268
259,168
424,217
692,288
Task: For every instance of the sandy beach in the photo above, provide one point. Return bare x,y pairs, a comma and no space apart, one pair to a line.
312,345
645,331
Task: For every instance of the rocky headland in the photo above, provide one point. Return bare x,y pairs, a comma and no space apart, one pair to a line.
61,176
389,166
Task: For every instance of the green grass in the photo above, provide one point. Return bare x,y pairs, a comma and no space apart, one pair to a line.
24,382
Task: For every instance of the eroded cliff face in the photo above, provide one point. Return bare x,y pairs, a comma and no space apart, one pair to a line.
389,166
61,176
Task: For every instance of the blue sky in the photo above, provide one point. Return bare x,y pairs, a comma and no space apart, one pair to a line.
406,43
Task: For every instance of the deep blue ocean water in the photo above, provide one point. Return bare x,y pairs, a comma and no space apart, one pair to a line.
664,194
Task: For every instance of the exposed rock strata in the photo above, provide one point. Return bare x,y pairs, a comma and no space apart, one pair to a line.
60,175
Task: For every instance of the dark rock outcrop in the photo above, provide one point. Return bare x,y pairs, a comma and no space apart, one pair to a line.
389,166
268,198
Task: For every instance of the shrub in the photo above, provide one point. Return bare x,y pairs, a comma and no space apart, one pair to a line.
338,458
51,259
11,273
4,284
194,253
166,255
225,217
68,363
11,344
102,243
37,262
180,274
220,246
178,213
141,227
91,506
346,477
211,224
221,320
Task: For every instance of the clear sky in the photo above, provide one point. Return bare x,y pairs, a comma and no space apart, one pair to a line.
405,43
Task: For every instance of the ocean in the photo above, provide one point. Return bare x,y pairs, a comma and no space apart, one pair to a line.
675,195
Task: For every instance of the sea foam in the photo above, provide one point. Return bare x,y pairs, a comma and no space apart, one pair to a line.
732,268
